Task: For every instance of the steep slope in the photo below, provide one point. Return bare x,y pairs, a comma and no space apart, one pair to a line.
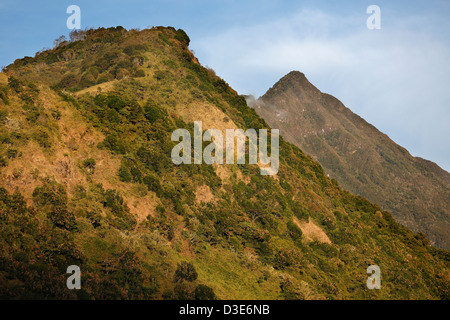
87,179
361,158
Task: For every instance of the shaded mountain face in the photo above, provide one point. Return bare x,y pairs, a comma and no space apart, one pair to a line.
86,179
362,159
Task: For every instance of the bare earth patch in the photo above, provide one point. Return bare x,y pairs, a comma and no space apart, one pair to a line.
204,194
102,87
312,232
209,114
141,208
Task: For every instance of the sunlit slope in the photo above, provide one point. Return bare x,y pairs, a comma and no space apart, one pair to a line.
87,179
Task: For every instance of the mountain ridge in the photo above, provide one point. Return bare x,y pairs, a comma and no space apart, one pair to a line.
293,97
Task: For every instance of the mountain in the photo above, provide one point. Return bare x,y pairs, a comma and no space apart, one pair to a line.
362,159
87,179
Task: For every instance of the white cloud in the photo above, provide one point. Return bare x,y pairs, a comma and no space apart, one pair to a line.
396,78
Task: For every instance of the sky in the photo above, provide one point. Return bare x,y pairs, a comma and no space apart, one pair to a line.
396,77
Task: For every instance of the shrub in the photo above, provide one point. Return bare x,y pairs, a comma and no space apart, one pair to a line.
87,80
15,84
153,112
182,37
11,153
50,58
110,100
56,114
42,138
154,160
178,206
94,218
4,94
294,231
136,174
114,201
3,115
291,291
134,111
161,75
203,292
106,61
113,143
3,162
124,173
62,218
121,218
185,271
89,164
183,291
160,209
300,212
286,258
139,73
52,197
51,193
133,49
32,113
68,81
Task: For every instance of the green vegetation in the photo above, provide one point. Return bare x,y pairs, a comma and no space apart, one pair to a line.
136,224
185,271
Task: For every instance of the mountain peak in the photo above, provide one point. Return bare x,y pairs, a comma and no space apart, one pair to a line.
298,78
359,156
294,80
295,74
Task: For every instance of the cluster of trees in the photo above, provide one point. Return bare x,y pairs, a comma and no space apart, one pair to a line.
185,288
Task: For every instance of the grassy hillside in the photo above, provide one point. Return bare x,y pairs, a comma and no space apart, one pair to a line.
87,179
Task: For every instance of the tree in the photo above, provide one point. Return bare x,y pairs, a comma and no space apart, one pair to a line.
59,41
76,35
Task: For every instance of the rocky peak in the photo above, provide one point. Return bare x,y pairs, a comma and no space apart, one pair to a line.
295,81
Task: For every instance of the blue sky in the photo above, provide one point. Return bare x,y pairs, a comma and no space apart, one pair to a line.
397,78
